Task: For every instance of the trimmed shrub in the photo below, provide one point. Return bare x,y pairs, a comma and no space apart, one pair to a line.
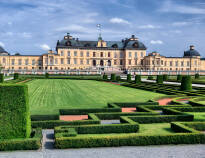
44,117
128,140
181,128
179,77
16,76
197,76
1,78
118,78
186,83
159,79
113,77
165,77
32,143
129,77
150,77
138,79
105,77
47,75
15,119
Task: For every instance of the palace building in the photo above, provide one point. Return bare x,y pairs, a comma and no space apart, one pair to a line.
127,54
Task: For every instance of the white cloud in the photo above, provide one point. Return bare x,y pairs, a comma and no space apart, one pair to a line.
156,42
169,6
119,21
149,26
72,28
26,35
183,23
45,47
2,44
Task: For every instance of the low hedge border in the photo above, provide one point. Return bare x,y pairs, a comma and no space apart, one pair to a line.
32,143
194,101
181,128
189,109
200,126
101,129
44,117
128,140
86,111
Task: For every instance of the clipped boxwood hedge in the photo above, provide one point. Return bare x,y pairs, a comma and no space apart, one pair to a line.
186,83
16,76
159,79
129,77
15,119
137,79
128,140
47,75
1,78
113,77
105,77
32,143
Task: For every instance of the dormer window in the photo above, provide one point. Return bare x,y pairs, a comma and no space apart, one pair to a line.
114,46
68,43
87,45
135,45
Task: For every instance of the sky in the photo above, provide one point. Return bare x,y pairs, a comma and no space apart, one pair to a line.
166,26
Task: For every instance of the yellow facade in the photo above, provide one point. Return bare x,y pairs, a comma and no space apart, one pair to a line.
128,54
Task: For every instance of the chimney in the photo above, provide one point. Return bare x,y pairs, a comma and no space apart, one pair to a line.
133,36
191,47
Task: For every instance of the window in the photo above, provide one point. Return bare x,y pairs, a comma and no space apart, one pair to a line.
94,54
176,63
81,54
135,62
121,62
33,62
75,53
101,54
115,55
81,62
182,63
68,61
130,62
135,54
62,53
187,63
88,62
26,62
4,60
108,54
39,62
142,54
13,61
165,63
56,61
121,55
170,63
68,53
46,61
88,54
75,61
195,63
62,61
162,62
152,62
115,62
130,54
19,62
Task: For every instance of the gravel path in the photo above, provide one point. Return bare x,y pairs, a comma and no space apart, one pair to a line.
167,151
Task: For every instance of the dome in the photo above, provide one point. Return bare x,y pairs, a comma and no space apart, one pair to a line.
191,52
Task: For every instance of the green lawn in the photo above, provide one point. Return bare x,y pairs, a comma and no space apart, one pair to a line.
47,96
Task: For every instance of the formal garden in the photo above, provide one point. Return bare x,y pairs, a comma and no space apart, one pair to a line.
100,111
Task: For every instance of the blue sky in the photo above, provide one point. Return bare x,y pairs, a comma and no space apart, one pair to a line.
166,26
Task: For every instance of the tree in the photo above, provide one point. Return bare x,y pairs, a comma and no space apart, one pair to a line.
186,83
138,79
159,79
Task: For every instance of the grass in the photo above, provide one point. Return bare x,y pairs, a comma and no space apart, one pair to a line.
46,96
145,129
198,116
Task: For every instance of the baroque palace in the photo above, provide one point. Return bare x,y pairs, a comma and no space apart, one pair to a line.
127,54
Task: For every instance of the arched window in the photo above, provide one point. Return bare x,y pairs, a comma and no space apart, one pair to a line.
94,54
135,45
114,46
68,43
101,54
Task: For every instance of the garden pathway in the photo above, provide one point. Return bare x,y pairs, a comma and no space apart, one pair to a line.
162,151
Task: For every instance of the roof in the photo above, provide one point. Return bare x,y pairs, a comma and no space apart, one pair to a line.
124,44
191,52
2,51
